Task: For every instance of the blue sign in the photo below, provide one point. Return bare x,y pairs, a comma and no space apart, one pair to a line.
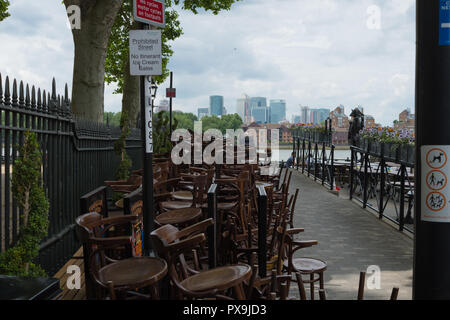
444,22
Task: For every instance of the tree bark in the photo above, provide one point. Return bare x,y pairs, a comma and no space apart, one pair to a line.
91,44
130,96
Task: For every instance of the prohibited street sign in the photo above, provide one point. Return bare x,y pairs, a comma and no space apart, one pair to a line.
435,192
151,12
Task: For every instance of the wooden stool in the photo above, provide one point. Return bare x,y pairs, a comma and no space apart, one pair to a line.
311,267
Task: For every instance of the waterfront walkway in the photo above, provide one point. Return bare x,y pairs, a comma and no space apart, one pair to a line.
351,239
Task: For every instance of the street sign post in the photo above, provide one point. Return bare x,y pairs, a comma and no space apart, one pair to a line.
171,93
431,280
145,53
146,61
151,12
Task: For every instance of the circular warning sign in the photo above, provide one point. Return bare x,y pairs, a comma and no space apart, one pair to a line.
436,158
436,180
436,201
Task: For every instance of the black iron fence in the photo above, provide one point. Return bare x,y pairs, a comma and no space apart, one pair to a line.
78,156
382,178
315,156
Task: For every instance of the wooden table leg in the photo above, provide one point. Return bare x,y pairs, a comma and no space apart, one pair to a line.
239,292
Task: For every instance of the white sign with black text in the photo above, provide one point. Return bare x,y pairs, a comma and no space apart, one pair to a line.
148,117
145,53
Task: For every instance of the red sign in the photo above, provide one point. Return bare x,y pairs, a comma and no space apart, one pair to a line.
150,12
171,93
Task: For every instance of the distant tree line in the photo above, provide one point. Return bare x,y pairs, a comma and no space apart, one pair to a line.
186,120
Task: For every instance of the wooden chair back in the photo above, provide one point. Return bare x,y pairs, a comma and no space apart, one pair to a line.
95,201
172,244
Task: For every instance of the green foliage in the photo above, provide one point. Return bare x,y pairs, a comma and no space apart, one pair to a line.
113,118
123,172
161,132
4,4
29,193
118,49
229,121
208,5
185,120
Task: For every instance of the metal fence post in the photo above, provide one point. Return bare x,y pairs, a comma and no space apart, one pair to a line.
402,197
293,146
262,231
332,168
323,163
309,158
212,230
352,163
366,177
303,156
316,154
382,182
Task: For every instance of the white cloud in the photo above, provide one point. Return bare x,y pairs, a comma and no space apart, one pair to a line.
316,53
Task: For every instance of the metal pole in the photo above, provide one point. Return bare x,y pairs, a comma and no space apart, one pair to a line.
262,231
324,150
303,156
147,183
170,103
432,239
309,158
352,163
382,183
212,230
316,154
402,197
366,176
332,168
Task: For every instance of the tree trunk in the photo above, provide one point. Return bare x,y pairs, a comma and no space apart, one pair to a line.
91,44
131,97
131,91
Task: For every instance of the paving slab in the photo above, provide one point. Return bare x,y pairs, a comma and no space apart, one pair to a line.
350,240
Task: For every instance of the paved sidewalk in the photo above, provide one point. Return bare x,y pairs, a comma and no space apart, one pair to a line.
351,239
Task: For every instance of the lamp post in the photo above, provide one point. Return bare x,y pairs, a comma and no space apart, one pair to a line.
431,270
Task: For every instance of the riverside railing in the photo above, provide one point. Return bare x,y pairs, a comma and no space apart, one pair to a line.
77,156
314,153
382,179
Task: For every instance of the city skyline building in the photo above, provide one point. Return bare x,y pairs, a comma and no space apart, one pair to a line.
202,112
243,109
259,109
305,114
216,105
259,115
317,116
277,111
296,118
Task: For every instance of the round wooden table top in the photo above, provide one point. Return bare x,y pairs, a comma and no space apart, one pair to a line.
221,278
179,216
182,195
134,272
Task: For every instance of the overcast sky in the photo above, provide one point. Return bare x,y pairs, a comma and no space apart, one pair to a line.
311,53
